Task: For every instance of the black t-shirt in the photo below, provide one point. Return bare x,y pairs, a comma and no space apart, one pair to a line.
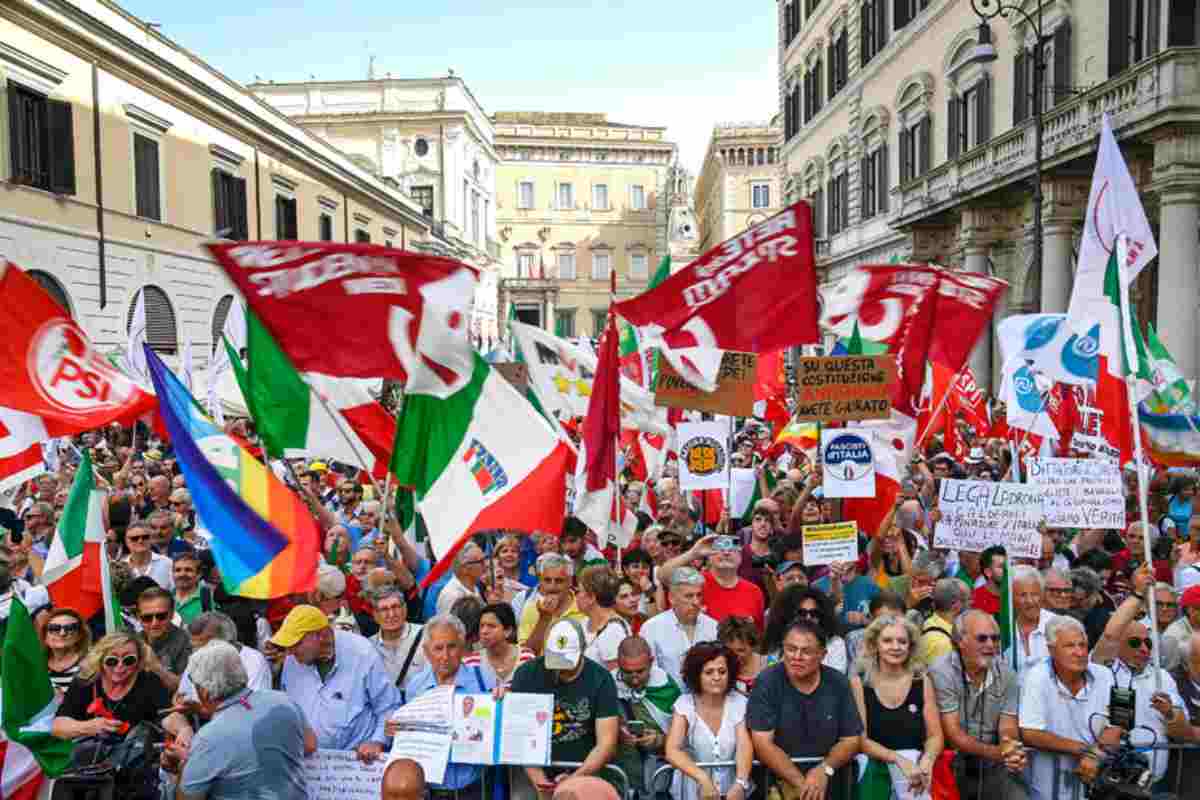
142,704
577,705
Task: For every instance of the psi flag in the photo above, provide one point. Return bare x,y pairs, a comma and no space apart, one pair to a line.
754,293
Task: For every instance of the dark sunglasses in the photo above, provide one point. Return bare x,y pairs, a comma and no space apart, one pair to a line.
63,630
158,616
137,538
809,612
984,638
1138,644
127,661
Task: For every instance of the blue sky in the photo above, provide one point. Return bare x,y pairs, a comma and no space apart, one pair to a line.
685,65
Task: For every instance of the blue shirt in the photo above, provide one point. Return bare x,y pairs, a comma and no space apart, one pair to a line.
856,596
431,594
469,680
1180,512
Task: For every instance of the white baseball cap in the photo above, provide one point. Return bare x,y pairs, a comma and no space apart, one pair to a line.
564,645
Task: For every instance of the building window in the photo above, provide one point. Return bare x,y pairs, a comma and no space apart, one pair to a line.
160,320
423,196
601,266
287,227
791,21
525,194
220,314
229,206
1133,27
873,31
146,186
817,201
361,236
638,263
325,228
566,196
906,11
637,197
600,197
914,150
874,183
53,288
970,117
760,195
566,266
42,133
599,320
839,204
564,323
525,265
810,6
839,63
812,90
1183,26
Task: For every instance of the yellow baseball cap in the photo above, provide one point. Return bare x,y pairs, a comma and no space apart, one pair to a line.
318,466
300,621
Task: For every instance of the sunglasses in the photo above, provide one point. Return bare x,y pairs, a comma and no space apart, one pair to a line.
1138,644
127,661
158,616
63,630
137,538
808,612
984,638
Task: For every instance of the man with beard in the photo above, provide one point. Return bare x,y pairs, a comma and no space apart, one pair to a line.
977,696
647,698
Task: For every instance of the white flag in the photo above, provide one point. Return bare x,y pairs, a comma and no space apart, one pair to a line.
135,355
185,367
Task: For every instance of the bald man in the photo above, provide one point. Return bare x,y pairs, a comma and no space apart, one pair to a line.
403,780
585,788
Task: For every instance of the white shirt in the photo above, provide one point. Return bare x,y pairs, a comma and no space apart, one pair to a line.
670,642
450,593
1186,577
394,655
1038,649
602,645
258,672
159,568
1047,705
1145,714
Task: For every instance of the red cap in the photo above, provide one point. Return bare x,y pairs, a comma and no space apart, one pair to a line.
1191,597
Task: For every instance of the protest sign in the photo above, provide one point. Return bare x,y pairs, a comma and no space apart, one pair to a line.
515,730
979,514
1080,492
734,393
424,732
339,775
848,463
703,455
830,543
839,388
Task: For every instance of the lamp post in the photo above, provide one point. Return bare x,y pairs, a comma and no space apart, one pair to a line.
985,52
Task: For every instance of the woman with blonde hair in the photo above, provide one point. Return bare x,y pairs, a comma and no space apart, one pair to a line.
67,640
114,691
902,733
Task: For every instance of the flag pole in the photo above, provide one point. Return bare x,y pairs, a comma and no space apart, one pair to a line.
341,426
1129,352
941,405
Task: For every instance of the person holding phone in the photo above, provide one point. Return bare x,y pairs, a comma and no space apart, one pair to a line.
725,594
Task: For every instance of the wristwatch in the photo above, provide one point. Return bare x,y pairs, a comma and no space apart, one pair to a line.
746,784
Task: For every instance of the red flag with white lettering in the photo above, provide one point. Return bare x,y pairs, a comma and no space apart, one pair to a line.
21,437
965,304
49,368
755,293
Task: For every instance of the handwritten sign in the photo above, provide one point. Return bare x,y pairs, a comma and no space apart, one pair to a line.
1080,492
844,388
979,514
339,775
831,543
734,394
703,455
424,732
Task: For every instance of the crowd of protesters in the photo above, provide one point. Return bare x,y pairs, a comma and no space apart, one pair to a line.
884,676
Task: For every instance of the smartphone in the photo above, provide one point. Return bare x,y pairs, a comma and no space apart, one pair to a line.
636,727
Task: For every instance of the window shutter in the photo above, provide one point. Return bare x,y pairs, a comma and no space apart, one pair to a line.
900,13
865,188
881,30
1181,27
905,168
1062,63
818,207
145,168
844,183
864,33
1118,36
832,211
952,123
924,146
985,109
882,180
239,217
831,67
219,207
61,135
1020,89
1153,18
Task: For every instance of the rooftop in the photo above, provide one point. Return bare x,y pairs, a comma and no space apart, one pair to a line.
562,118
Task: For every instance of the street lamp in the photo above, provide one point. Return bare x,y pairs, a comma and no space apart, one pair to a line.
985,52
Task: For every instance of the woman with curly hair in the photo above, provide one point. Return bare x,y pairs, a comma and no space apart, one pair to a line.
709,724
811,604
741,636
903,730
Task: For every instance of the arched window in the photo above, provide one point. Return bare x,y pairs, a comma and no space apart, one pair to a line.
53,288
160,320
220,313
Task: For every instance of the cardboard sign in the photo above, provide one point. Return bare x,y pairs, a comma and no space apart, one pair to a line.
831,543
734,394
836,388
515,373
979,514
339,775
847,463
1080,492
703,455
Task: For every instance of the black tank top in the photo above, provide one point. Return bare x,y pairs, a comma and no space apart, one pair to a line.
901,728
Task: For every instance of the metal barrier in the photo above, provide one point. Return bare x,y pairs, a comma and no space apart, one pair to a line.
763,777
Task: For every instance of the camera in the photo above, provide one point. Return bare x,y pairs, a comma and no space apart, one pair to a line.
1124,774
1122,707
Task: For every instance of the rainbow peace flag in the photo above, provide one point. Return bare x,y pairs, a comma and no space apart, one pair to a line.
264,539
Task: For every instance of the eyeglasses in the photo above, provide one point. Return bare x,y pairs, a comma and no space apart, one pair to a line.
137,538
63,630
127,661
156,616
984,638
1174,606
1137,643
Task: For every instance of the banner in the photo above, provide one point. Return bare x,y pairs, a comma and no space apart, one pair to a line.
703,455
1080,492
839,388
734,394
847,462
979,514
832,543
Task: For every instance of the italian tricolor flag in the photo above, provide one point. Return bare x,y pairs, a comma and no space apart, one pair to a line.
76,571
479,459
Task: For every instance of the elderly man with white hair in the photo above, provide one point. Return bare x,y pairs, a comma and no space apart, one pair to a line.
672,633
1060,698
253,745
469,567
553,601
1186,764
215,626
1028,593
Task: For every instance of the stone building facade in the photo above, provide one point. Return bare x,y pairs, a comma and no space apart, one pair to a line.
739,183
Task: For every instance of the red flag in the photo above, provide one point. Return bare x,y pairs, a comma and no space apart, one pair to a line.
754,293
970,400
360,310
21,437
48,366
965,304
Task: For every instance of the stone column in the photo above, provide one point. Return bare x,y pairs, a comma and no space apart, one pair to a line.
1056,266
1178,277
975,259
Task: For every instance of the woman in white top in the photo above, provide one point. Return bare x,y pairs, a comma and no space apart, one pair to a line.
596,596
709,724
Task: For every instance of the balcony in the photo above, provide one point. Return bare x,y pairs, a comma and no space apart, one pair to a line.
1137,100
529,284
